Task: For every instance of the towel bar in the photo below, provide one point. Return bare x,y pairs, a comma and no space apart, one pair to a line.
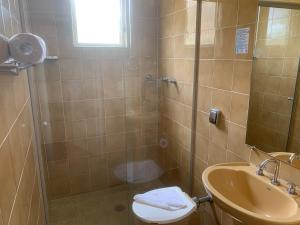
14,67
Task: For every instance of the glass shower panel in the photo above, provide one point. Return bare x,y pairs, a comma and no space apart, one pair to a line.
176,57
114,121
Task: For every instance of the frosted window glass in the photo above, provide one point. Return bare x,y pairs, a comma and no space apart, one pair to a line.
98,22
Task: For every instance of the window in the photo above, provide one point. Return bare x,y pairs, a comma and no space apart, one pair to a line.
99,23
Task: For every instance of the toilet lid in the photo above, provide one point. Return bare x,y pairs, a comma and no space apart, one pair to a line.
151,214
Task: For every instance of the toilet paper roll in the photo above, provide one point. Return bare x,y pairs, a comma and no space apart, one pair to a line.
27,48
4,52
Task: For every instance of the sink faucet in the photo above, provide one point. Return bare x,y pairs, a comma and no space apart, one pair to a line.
262,166
294,156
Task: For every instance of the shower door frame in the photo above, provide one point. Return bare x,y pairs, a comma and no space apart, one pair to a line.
25,27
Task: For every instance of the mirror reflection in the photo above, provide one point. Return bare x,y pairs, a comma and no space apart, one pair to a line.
274,121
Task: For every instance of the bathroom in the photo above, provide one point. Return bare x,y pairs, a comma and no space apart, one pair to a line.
103,101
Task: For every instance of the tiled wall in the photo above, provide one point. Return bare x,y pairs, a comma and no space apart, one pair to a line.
224,83
176,60
96,110
20,197
275,71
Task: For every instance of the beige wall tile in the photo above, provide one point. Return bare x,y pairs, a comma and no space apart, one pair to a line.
219,134
247,12
52,112
115,125
222,77
166,26
202,124
49,92
206,69
78,90
166,48
58,169
227,13
80,184
78,166
18,150
225,43
239,109
180,22
204,99
166,7
113,87
236,141
79,110
7,178
77,148
56,151
53,131
242,76
8,113
76,129
221,100
216,154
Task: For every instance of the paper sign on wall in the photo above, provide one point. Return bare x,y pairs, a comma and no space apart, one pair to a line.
242,40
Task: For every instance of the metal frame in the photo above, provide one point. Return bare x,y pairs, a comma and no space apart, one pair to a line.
23,8
14,67
195,95
125,37
277,4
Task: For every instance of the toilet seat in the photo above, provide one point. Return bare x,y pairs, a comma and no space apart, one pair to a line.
151,214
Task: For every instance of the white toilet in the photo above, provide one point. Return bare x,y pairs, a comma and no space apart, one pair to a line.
146,214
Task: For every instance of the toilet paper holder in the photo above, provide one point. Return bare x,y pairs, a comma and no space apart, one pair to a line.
14,67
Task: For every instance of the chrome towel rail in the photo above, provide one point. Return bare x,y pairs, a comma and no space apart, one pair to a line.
14,67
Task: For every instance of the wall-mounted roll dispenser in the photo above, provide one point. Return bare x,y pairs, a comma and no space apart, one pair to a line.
24,50
27,48
214,115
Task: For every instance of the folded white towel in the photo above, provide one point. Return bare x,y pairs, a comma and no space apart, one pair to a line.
165,198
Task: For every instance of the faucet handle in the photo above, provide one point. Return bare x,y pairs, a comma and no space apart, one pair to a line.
260,170
292,188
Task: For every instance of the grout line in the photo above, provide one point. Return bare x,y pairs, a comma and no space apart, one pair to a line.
175,11
224,90
14,123
21,177
30,206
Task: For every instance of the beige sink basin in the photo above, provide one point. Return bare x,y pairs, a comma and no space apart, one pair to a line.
284,156
252,199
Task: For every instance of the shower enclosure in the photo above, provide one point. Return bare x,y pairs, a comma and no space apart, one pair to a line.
113,121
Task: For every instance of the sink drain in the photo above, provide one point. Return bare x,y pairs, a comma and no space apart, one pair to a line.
120,208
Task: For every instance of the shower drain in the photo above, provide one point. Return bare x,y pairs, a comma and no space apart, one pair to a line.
119,208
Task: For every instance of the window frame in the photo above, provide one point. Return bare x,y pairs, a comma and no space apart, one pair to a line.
124,32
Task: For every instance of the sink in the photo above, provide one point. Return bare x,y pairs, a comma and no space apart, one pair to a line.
252,199
284,156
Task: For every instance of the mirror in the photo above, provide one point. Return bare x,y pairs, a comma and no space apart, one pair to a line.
274,110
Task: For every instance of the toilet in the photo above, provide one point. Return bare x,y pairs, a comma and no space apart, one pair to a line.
146,214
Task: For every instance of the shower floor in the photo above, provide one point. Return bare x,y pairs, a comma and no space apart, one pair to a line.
107,207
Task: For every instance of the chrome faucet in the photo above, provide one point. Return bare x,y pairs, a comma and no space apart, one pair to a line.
294,156
262,166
